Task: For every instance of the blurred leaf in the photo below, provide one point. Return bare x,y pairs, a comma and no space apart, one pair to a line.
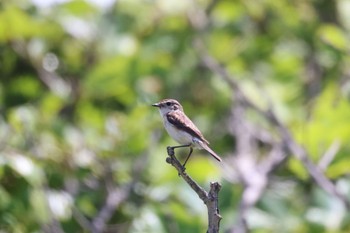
39,205
111,79
6,198
78,7
339,168
26,168
23,89
202,167
227,12
330,114
89,114
298,169
16,24
147,222
333,36
50,106
223,46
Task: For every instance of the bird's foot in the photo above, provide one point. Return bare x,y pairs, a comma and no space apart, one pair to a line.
170,151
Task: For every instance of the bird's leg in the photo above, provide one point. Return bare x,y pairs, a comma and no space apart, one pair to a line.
170,149
188,156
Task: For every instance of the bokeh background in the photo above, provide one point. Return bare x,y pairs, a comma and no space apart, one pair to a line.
81,150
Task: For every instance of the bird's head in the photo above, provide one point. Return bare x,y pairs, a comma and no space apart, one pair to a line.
168,105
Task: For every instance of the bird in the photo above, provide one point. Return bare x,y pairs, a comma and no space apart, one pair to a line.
181,128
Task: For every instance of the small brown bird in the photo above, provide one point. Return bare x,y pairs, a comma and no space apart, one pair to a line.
181,128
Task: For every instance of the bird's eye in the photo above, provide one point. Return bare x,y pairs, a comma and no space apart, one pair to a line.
168,103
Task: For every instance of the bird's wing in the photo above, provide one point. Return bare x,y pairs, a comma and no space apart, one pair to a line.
182,122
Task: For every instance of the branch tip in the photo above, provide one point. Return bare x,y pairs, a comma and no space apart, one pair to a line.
210,199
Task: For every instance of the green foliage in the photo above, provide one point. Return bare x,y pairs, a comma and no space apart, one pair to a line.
77,81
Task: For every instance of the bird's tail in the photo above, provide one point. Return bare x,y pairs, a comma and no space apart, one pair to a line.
210,151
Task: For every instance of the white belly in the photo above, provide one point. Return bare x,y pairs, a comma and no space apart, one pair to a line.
178,135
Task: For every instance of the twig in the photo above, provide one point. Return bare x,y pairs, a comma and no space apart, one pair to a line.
114,199
117,195
329,155
241,226
81,219
210,199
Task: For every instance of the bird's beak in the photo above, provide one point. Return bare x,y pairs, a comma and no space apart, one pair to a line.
156,105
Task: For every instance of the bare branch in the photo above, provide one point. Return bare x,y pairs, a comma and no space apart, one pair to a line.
288,143
81,219
210,199
329,155
114,199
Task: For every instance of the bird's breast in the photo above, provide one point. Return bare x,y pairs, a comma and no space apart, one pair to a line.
178,135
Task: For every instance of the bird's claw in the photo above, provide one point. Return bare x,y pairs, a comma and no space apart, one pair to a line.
170,151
